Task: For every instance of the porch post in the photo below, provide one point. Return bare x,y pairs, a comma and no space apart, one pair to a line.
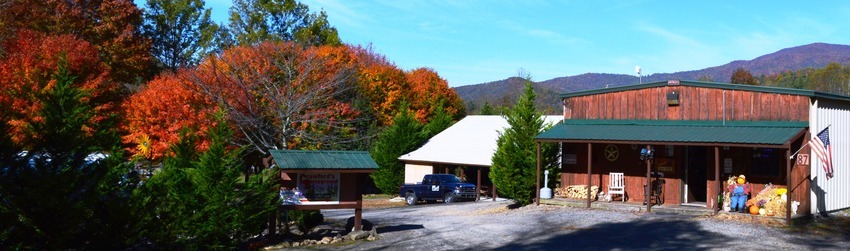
717,177
478,187
537,200
788,187
589,150
648,182
494,191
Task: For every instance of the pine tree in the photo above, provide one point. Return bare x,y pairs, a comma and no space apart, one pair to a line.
403,136
514,163
54,188
439,121
199,201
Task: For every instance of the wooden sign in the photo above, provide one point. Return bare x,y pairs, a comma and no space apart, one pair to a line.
803,159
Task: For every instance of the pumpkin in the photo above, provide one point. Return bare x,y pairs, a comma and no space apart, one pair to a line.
762,211
754,210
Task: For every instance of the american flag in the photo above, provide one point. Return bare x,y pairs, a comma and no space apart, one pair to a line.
821,148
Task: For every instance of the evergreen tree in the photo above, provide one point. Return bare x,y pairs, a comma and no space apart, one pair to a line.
403,136
199,201
55,191
487,109
515,163
439,121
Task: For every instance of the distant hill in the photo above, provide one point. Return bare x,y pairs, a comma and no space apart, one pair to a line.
504,92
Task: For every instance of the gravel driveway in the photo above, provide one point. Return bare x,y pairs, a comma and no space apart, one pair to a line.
489,225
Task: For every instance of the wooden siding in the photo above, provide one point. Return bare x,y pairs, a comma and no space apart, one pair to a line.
695,103
742,159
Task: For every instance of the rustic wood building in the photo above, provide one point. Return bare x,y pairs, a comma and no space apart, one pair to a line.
702,133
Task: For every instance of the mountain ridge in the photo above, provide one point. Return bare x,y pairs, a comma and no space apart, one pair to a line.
503,92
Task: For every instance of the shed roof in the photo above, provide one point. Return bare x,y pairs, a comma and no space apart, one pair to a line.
715,85
471,141
324,160
676,131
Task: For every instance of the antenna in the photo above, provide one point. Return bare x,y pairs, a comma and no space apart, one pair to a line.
637,70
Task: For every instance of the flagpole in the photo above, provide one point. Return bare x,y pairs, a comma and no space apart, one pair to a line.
807,143
798,151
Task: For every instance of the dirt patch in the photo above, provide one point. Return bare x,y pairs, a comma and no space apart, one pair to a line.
374,203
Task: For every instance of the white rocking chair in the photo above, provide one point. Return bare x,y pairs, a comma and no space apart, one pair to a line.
616,185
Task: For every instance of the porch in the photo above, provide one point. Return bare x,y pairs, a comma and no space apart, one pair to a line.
695,158
674,210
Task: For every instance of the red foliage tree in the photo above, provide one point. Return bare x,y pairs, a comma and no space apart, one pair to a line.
28,67
156,114
382,84
429,91
281,95
111,26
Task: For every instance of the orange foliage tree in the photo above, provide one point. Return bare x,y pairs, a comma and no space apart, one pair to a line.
429,92
381,84
281,95
156,115
111,26
27,69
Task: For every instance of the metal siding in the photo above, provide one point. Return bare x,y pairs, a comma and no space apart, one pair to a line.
836,191
295,159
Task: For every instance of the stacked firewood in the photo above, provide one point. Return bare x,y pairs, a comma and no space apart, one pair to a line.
576,192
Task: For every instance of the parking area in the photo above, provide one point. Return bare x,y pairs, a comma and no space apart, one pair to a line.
490,225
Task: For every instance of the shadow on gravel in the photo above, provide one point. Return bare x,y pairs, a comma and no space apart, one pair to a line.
640,234
398,228
822,233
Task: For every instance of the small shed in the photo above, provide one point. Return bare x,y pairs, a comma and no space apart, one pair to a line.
325,179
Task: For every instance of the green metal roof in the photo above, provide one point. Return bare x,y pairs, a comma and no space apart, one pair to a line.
323,160
715,85
676,131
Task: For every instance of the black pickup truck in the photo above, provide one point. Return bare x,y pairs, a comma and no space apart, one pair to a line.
446,187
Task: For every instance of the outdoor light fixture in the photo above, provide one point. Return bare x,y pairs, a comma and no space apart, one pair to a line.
672,98
646,154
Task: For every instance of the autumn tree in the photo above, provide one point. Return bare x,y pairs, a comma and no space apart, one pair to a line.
255,21
429,91
743,76
30,67
111,26
181,31
514,163
159,111
382,84
279,95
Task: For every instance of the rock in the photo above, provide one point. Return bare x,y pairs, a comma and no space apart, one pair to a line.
296,244
365,224
336,240
371,238
294,230
358,235
327,239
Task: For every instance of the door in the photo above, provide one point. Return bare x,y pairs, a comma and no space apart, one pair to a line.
695,175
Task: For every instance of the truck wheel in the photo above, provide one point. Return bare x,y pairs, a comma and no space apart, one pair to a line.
448,197
410,199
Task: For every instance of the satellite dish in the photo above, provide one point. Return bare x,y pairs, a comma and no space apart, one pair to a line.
637,69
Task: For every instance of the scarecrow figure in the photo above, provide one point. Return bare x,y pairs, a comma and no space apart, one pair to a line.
739,190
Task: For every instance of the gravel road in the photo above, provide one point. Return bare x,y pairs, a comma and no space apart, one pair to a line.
489,225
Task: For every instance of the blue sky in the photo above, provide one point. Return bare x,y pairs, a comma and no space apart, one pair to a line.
476,41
